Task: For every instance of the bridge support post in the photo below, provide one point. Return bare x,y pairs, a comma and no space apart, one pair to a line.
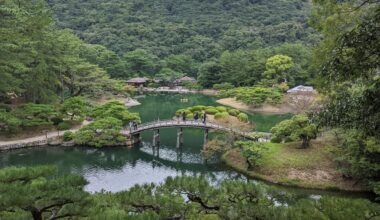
179,137
205,138
136,138
156,137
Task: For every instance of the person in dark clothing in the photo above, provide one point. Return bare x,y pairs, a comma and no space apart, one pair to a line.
204,118
183,116
135,125
196,116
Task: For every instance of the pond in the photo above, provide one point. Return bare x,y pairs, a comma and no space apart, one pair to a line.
119,168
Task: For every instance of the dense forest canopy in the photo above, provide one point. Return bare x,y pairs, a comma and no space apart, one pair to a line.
147,37
40,62
199,28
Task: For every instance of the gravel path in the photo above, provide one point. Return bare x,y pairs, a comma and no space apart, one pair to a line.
49,135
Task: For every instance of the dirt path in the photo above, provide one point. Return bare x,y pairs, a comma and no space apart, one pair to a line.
49,135
266,108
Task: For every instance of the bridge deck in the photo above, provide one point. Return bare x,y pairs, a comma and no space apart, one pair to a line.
187,124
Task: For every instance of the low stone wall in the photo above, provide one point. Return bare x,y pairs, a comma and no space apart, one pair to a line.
46,142
53,142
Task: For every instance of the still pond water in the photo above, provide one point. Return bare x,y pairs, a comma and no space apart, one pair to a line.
119,168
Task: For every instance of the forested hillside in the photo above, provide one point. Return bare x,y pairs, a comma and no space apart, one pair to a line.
149,36
40,62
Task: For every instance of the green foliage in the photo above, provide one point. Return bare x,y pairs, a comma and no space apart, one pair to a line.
38,61
214,148
140,63
37,193
168,75
179,112
35,114
9,123
68,136
257,135
223,86
221,115
252,151
214,50
211,110
256,95
208,74
221,108
358,155
192,85
75,107
168,29
184,64
57,120
234,112
102,132
104,58
347,59
116,110
299,127
64,126
277,70
197,108
243,117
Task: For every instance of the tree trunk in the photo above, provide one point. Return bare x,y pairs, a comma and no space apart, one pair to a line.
305,142
37,215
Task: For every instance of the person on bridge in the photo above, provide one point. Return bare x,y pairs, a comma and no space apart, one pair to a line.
135,125
183,116
196,116
204,118
130,125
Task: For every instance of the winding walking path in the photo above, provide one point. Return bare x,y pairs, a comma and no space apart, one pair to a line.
36,140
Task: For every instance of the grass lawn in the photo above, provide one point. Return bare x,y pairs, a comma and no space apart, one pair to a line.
287,164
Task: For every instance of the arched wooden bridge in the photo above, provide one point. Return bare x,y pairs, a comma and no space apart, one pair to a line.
179,124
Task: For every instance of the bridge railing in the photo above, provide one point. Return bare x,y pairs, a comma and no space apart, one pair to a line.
161,123
173,122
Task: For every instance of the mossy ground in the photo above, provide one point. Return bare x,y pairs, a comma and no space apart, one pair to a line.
287,164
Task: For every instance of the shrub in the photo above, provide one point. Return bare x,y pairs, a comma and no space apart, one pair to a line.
198,108
252,151
234,112
221,108
116,110
221,115
192,86
56,120
68,136
9,123
214,148
299,127
180,111
75,107
223,86
256,95
5,107
190,116
153,85
243,117
102,132
211,110
35,114
63,126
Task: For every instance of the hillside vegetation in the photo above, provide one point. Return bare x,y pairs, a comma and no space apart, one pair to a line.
149,37
200,28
